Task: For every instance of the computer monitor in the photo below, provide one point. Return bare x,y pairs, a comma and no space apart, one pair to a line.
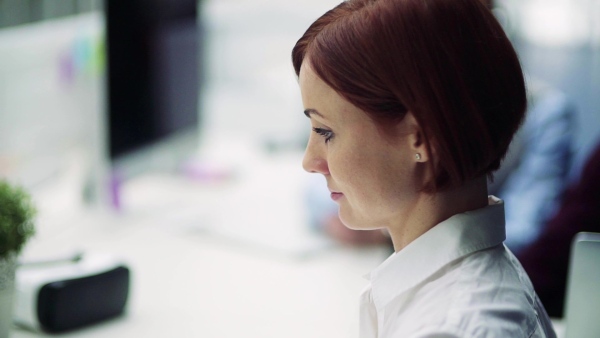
51,98
583,287
153,84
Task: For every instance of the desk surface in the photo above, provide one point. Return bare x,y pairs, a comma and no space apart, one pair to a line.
192,278
187,284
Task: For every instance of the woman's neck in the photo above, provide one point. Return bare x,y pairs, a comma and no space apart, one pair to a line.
428,210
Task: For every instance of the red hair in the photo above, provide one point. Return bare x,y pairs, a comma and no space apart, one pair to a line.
448,62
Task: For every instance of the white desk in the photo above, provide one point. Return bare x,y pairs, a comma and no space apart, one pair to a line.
196,285
192,280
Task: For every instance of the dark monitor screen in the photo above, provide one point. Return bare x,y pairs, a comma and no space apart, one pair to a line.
153,73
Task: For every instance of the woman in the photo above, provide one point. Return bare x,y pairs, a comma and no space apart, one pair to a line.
413,103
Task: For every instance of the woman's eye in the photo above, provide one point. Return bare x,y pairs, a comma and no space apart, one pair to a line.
327,134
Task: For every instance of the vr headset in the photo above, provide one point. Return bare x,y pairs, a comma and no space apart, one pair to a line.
68,293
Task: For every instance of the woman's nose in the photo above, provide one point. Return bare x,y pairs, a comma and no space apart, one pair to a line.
314,161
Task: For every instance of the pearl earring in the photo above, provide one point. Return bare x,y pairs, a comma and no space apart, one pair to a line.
418,156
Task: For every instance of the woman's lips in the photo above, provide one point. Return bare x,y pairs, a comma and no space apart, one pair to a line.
336,195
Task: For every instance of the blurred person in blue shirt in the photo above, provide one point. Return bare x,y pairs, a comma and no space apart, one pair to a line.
546,260
533,177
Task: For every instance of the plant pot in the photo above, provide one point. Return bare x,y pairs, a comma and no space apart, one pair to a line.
7,291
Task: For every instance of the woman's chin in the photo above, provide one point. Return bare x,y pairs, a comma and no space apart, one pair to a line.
351,222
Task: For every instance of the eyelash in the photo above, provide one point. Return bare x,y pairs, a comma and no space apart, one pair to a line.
327,134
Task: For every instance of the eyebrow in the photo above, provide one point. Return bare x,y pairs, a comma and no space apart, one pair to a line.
308,112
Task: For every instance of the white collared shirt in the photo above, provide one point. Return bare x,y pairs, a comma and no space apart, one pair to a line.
456,280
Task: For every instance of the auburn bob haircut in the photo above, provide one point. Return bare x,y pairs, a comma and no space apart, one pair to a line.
447,61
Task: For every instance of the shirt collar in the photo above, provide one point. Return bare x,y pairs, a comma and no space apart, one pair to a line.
456,237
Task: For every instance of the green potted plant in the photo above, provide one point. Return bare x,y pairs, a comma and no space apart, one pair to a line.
16,227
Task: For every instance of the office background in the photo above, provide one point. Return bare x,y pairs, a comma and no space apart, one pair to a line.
248,135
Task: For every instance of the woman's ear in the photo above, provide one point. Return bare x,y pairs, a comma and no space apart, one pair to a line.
416,139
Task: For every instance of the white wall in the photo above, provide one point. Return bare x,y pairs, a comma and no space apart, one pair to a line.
251,88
